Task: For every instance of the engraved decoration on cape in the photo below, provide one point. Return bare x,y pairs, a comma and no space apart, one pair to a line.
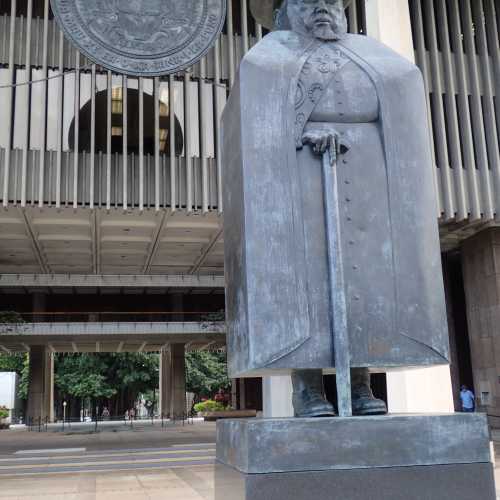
142,37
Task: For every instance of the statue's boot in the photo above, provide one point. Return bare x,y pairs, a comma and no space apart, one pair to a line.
309,395
363,400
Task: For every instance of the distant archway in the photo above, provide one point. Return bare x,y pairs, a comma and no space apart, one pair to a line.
117,125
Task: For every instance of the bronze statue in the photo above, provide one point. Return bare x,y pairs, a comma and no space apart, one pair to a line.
306,90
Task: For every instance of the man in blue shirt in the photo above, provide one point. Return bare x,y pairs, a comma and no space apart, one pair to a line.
467,397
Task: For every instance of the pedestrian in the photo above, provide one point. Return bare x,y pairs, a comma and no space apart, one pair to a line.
468,400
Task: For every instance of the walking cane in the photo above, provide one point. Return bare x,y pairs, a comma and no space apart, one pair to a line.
338,305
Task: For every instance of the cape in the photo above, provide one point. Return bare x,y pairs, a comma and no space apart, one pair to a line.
266,297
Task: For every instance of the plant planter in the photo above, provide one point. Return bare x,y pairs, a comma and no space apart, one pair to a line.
212,416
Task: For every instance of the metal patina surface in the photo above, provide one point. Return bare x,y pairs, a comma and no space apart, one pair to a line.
277,239
142,37
262,446
380,458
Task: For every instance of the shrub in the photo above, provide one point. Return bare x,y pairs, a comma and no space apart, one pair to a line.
4,412
208,405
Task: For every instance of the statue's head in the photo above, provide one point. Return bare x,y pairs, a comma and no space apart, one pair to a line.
323,19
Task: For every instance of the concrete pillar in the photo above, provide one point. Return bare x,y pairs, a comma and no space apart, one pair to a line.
277,396
178,380
481,271
426,389
165,383
49,387
40,388
234,393
389,21
243,403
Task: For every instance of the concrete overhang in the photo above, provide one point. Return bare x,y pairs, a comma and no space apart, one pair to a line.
116,283
112,337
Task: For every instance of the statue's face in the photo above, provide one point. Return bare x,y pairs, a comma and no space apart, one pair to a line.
324,19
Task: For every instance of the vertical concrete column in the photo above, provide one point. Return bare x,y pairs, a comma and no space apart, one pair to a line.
178,380
40,384
49,385
427,389
165,383
481,271
243,402
277,396
389,21
234,393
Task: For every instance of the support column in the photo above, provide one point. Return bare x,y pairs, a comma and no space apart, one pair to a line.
425,389
40,384
234,393
277,396
243,403
178,380
389,21
165,383
49,385
481,271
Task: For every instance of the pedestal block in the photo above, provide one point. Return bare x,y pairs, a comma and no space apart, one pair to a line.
364,458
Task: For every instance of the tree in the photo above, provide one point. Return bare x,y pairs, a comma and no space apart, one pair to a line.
206,373
112,380
83,377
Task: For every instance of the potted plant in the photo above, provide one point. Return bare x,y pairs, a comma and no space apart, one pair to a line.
212,410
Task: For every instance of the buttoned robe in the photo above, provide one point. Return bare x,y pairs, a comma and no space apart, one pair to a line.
277,283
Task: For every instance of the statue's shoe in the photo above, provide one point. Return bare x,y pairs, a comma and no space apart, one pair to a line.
313,407
368,405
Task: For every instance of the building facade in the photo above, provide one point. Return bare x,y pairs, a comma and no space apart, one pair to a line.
111,200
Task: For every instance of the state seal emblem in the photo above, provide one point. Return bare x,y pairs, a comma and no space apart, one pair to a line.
142,37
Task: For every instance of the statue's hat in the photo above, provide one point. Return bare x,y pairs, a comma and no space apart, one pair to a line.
262,10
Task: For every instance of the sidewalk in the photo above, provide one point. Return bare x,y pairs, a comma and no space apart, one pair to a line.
161,478
108,437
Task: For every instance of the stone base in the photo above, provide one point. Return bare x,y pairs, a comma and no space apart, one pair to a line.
367,458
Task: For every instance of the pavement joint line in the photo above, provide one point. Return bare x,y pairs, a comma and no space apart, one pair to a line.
97,471
110,454
85,464
51,450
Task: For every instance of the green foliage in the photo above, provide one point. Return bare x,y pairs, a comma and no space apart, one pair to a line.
82,376
206,373
136,372
10,321
12,363
105,375
4,412
22,390
208,405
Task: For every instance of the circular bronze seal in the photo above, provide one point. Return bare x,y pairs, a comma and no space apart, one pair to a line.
142,37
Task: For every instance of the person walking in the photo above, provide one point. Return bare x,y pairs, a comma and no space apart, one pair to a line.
468,400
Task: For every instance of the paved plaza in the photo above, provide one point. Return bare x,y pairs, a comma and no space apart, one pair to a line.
173,463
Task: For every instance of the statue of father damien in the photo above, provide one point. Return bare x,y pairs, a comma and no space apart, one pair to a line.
305,88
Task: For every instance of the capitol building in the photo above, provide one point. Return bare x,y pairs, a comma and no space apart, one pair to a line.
111,219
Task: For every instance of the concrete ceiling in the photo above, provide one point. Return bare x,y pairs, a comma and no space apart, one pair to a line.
84,241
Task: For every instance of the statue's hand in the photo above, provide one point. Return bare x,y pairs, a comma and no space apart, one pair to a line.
322,141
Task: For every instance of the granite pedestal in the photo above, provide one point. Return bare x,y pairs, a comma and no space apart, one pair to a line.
429,457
